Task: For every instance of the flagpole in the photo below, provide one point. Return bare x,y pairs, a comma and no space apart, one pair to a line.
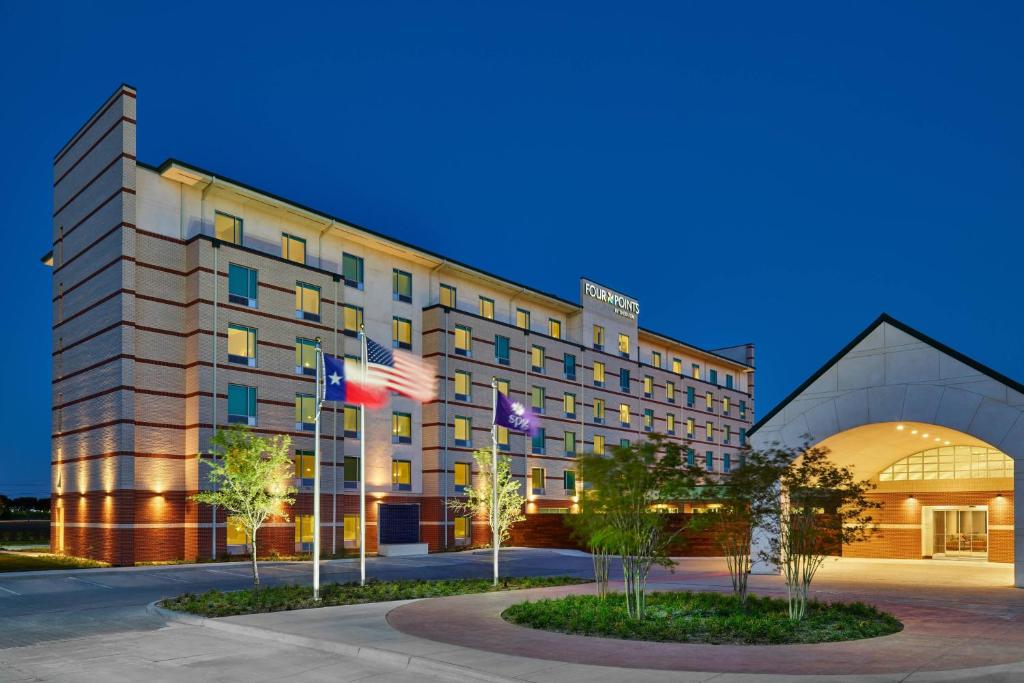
494,473
362,466
316,473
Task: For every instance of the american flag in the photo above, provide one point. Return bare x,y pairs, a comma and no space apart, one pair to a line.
400,372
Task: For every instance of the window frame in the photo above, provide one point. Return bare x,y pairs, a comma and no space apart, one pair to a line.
397,420
251,276
397,325
360,274
250,337
287,239
397,277
300,309
238,225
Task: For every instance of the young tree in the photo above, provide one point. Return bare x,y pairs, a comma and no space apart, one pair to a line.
588,526
743,502
479,497
627,487
250,474
823,508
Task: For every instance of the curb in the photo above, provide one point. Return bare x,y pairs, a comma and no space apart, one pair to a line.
390,658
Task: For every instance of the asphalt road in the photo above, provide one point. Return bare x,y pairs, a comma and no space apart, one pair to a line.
39,607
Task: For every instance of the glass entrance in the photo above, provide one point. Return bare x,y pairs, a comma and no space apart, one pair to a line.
960,533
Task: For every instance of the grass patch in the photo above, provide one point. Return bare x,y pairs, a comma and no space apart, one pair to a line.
24,562
216,603
686,617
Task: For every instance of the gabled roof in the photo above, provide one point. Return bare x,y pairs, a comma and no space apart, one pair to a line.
903,327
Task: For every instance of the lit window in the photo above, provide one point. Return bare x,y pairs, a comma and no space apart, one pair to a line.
569,366
522,319
401,286
241,404
554,328
401,333
501,349
242,345
537,480
677,366
463,386
598,374
462,475
461,528
598,444
648,386
293,248
351,473
486,308
624,345
709,401
624,414
305,356
569,405
401,428
352,270
569,482
236,532
447,295
537,445
307,302
696,371
569,440
352,319
537,358
463,341
352,530
242,286
503,387
401,475
709,431
228,228
463,431
598,338
305,412
351,420
670,391
304,464
725,405
599,410
691,426
648,419
502,437
624,380
670,423
656,358
303,529
537,399
950,462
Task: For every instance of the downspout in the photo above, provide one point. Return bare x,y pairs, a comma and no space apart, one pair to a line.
213,346
444,416
320,248
334,436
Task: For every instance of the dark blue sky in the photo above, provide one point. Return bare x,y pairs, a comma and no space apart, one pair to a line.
749,171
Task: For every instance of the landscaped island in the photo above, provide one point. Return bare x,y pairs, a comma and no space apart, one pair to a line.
717,618
216,603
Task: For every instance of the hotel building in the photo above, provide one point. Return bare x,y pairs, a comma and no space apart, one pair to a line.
184,302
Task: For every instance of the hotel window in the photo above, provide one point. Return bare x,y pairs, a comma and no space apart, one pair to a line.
241,404
352,320
242,285
305,412
351,536
696,371
401,428
242,345
569,366
690,427
569,405
743,460
624,380
624,345
307,302
501,349
569,482
503,387
743,436
598,338
598,374
401,333
598,444
522,319
350,416
401,475
537,446
569,440
351,473
304,464
293,248
709,461
691,457
677,366
743,410
599,410
227,228
401,286
670,423
305,356
648,386
462,528
554,328
447,295
463,386
691,397
656,358
537,481
725,405
352,270
726,462
728,381
463,431
236,532
624,414
463,472
463,341
709,431
486,308
726,433
502,437
623,443
537,399
303,529
713,377
537,358
670,391
709,401
648,419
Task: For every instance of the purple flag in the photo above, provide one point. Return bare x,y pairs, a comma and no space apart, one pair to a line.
515,415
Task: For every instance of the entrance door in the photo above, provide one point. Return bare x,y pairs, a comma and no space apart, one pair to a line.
960,533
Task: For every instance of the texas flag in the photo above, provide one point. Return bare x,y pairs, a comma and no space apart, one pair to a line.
337,389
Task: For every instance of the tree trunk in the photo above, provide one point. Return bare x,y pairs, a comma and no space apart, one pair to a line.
255,568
